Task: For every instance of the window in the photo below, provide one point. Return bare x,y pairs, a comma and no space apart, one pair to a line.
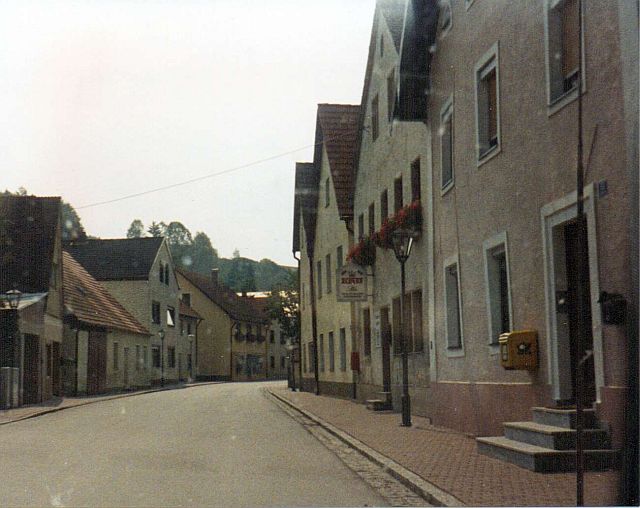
563,47
312,359
171,316
329,272
374,118
272,362
272,336
145,357
416,321
339,257
332,353
321,353
166,274
497,286
282,362
397,194
372,219
445,16
304,359
155,356
161,273
446,143
360,226
381,46
138,357
366,330
116,359
189,330
319,265
155,312
453,318
384,205
487,107
391,94
343,349
415,179
326,192
186,299
171,357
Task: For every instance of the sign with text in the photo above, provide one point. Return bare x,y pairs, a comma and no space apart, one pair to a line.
352,283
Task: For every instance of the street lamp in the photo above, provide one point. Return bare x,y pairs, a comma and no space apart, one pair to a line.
13,296
161,334
402,242
291,372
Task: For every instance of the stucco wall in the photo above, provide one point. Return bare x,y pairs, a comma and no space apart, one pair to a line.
129,372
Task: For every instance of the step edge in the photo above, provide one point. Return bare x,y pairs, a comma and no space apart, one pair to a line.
534,449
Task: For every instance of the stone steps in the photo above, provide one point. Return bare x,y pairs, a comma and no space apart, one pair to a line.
547,444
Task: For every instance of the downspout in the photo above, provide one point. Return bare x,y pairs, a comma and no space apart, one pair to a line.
354,341
299,332
314,323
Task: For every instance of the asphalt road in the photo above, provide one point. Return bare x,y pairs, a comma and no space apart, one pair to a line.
216,445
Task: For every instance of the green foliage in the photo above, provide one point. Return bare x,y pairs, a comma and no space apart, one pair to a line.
136,230
157,229
283,306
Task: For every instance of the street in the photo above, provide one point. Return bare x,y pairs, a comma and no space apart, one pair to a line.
214,445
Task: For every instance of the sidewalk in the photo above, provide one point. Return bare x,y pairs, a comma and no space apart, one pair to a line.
60,403
449,460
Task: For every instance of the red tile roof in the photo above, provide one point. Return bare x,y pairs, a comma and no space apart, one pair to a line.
337,129
90,303
305,203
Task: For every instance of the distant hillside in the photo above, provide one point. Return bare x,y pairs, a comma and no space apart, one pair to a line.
243,274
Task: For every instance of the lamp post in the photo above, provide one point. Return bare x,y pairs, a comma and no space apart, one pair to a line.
13,297
161,334
291,373
402,242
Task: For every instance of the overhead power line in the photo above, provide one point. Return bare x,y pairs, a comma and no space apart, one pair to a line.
199,178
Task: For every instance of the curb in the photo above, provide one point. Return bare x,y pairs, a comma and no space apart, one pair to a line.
412,481
107,398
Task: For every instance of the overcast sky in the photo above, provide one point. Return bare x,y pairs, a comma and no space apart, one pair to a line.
103,99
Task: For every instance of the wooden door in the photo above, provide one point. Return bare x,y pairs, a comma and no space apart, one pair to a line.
31,375
97,363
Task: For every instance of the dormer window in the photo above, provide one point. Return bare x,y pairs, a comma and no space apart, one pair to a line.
381,46
161,271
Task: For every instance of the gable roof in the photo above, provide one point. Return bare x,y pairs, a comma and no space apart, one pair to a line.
28,229
238,308
89,301
305,203
337,130
117,259
393,13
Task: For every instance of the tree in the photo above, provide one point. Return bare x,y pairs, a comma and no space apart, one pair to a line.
177,234
203,256
157,229
283,306
136,230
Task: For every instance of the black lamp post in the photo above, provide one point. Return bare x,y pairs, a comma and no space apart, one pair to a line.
402,243
161,334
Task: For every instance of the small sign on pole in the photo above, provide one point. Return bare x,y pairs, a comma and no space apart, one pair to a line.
352,283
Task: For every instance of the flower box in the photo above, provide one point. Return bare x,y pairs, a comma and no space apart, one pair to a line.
408,217
363,253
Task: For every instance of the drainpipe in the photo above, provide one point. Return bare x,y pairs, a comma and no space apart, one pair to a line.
314,323
299,330
352,314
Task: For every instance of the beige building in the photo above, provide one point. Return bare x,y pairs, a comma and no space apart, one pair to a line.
393,174
104,347
323,218
139,273
232,335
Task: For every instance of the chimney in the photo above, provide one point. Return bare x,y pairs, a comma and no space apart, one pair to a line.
214,276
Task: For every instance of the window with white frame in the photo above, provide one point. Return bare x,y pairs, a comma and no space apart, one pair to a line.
487,103
343,349
562,22
446,143
329,273
498,294
332,353
453,314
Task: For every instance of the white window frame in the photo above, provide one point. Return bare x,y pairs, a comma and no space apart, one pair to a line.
343,349
555,105
483,66
446,113
453,352
489,246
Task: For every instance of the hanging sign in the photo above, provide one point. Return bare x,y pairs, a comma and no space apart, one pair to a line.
352,283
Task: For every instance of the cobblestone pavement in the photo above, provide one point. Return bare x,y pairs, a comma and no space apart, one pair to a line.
450,461
388,487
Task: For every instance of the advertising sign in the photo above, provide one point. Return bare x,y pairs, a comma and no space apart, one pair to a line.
352,283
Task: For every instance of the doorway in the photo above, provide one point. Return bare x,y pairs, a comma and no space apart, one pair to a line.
564,283
385,332
97,363
31,376
125,361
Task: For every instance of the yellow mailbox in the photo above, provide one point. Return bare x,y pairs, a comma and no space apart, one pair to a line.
519,350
